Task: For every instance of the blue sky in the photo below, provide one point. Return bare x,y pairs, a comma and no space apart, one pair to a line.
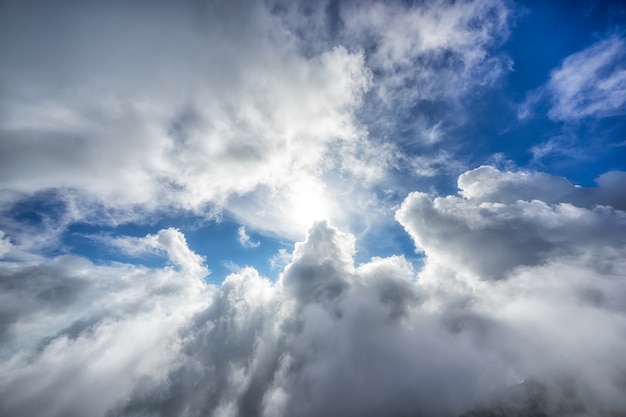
434,174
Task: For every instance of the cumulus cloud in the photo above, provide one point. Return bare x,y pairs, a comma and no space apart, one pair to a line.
115,112
168,241
518,271
506,219
519,306
77,337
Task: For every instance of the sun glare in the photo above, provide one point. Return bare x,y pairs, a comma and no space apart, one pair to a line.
309,204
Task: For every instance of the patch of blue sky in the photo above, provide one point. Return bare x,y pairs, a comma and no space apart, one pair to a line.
543,36
216,240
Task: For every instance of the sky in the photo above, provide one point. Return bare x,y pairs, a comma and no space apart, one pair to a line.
293,208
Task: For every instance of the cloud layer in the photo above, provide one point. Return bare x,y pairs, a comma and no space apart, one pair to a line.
520,292
124,111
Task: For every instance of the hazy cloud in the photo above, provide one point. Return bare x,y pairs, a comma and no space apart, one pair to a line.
77,337
170,102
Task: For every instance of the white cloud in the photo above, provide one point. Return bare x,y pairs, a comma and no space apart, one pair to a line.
220,105
489,184
280,259
334,338
172,242
589,83
504,220
215,113
245,240
427,57
438,36
79,337
145,110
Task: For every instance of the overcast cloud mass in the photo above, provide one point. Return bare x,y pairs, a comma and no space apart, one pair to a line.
286,208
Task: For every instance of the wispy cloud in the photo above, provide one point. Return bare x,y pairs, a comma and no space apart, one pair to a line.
589,83
245,240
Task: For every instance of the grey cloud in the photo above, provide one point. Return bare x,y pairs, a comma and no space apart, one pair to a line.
76,337
312,351
333,338
611,191
503,222
489,184
555,265
323,261
387,344
34,290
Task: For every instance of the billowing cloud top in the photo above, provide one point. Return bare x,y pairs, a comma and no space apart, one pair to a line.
337,208
513,293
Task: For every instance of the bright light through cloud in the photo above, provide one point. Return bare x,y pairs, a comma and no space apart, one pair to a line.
330,208
308,204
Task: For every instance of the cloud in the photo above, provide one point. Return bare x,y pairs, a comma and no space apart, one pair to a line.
245,240
451,37
426,57
503,220
487,322
517,270
486,184
116,113
281,259
5,244
77,337
168,108
143,111
589,83
170,241
609,192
